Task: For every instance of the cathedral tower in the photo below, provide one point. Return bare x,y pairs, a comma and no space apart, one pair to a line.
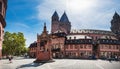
3,7
115,24
60,25
65,24
55,22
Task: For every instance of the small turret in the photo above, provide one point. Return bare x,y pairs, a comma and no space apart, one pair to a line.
44,29
55,17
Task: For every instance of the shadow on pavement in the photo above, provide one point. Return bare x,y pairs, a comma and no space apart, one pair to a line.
30,65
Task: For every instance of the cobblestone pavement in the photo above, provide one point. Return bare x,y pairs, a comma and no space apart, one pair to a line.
59,64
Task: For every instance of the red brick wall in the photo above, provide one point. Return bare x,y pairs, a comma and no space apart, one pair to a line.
54,26
111,48
43,56
76,50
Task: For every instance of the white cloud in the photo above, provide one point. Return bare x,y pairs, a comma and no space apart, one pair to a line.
83,14
23,25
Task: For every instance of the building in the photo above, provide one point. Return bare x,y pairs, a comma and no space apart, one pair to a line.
3,7
83,43
43,52
87,43
33,50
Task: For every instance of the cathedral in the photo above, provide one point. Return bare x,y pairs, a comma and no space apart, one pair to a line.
63,42
3,7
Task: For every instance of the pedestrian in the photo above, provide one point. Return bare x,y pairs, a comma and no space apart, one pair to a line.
10,59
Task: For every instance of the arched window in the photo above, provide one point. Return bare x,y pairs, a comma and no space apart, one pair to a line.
117,47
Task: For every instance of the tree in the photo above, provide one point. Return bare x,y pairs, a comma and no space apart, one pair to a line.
14,44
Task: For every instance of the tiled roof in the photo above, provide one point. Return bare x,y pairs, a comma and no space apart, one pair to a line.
79,41
64,18
33,45
91,31
55,14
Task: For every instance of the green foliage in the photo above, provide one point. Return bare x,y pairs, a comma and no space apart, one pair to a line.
14,44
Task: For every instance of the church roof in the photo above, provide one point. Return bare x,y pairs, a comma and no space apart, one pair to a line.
64,18
90,31
33,45
116,15
55,14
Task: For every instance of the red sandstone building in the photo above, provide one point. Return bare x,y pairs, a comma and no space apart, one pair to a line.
33,50
3,7
63,42
43,52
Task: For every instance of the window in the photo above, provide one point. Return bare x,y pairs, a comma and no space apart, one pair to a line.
101,47
92,37
89,46
71,46
107,41
113,47
74,37
89,41
105,46
103,40
85,37
66,47
81,46
0,31
117,47
0,7
109,47
96,37
85,46
75,46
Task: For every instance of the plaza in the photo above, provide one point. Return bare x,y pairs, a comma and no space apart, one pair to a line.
22,63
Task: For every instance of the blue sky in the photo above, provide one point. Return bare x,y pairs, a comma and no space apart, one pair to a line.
28,16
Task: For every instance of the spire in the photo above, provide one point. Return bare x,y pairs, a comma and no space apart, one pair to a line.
55,16
116,15
45,27
64,18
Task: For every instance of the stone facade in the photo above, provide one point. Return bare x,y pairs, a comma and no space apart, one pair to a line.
57,44
94,43
43,51
84,43
3,7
